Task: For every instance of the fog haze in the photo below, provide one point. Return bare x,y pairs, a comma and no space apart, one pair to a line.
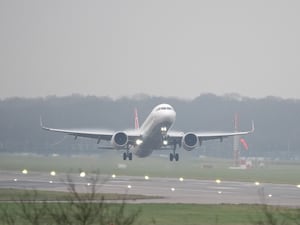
161,48
276,123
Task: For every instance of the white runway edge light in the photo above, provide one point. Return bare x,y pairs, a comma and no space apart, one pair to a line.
82,174
53,173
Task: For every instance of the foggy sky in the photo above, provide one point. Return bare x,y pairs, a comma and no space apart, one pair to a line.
157,47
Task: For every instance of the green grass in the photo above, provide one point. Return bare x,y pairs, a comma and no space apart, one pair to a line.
199,214
153,167
189,214
16,194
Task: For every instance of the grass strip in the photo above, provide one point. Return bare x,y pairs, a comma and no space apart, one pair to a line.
189,214
38,195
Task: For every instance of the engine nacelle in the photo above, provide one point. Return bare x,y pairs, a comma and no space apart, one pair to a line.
190,141
119,140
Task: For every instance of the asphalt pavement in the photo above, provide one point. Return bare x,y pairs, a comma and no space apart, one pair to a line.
168,190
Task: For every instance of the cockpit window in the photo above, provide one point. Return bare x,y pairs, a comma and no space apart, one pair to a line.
164,108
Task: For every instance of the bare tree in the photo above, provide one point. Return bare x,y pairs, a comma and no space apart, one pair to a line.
77,209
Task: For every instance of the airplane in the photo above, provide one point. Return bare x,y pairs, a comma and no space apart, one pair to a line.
154,134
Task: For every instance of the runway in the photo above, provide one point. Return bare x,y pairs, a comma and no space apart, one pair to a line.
167,190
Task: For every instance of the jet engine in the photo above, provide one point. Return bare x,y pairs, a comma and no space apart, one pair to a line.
119,140
190,141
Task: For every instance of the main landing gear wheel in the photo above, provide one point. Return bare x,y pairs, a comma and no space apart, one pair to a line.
127,155
174,156
171,157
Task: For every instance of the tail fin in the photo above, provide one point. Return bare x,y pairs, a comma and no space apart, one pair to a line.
136,119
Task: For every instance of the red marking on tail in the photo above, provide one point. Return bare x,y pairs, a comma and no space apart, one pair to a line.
136,119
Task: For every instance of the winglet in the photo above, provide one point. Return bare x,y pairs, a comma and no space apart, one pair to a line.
41,122
253,128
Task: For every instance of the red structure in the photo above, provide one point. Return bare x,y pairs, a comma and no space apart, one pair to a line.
236,142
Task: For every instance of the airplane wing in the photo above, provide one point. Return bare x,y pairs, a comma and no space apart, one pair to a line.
92,133
176,137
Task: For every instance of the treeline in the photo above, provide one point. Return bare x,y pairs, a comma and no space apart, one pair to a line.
276,121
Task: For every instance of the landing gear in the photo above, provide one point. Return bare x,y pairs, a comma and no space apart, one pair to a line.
130,156
174,155
127,155
164,135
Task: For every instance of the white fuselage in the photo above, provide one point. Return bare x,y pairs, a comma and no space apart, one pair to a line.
153,130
